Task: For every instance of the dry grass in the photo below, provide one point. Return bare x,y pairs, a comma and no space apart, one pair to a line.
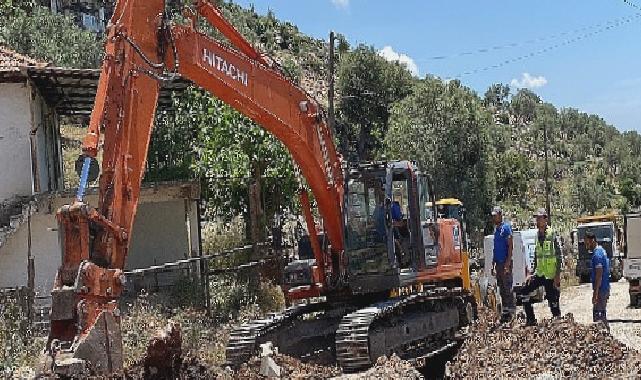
19,348
221,236
204,337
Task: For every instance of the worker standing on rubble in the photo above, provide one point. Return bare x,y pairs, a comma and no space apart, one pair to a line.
600,278
503,262
547,269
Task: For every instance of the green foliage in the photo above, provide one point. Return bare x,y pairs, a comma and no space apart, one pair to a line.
231,150
42,35
221,236
631,190
292,70
368,86
513,172
592,192
523,105
444,127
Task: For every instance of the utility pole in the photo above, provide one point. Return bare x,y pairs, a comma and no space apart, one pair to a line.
547,180
331,114
330,91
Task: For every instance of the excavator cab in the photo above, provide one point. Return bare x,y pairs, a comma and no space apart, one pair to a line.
395,232
389,230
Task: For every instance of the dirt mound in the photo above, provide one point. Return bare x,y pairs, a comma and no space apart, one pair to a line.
291,368
387,368
192,368
556,348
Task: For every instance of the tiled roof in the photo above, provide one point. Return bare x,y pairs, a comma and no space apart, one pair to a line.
12,61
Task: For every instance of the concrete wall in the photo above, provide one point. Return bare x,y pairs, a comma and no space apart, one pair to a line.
160,235
22,110
44,249
15,150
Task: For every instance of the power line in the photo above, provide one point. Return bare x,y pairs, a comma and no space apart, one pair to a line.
632,4
494,48
548,48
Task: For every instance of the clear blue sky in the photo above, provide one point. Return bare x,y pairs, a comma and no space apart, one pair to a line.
599,73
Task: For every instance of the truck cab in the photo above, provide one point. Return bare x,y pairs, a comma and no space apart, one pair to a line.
607,236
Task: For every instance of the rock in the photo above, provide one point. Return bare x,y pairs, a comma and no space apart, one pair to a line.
70,367
269,368
267,349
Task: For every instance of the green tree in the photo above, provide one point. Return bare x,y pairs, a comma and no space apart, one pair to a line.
368,86
40,34
592,193
230,152
497,96
444,127
523,105
513,172
496,99
631,191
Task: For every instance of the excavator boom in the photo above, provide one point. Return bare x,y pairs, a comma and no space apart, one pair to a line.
143,49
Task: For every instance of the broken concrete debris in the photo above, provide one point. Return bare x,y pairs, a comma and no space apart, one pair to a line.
556,348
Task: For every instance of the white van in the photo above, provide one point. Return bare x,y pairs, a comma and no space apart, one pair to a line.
524,243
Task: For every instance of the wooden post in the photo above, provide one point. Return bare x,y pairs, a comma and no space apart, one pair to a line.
330,90
207,291
256,211
30,269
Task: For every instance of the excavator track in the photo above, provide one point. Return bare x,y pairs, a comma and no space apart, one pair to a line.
414,326
244,339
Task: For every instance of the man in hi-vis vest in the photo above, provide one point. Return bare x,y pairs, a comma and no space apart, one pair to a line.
547,269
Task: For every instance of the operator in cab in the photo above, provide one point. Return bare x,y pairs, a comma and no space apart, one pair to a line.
502,262
547,269
600,278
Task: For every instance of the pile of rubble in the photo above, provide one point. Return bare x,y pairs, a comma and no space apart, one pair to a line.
556,348
387,368
284,367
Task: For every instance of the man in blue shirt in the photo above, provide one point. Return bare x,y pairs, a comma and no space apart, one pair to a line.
503,262
600,278
397,214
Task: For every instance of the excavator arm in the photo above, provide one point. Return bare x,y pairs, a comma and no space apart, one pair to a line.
143,49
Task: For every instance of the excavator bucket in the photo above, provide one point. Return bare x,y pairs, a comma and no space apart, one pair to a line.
98,352
85,336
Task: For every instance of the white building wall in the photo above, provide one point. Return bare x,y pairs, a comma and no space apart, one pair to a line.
15,147
44,249
160,235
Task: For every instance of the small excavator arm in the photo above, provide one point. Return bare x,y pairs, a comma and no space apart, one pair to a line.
144,48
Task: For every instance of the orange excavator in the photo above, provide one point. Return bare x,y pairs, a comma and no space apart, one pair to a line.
382,274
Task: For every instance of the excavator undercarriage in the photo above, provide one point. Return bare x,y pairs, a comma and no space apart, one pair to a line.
415,326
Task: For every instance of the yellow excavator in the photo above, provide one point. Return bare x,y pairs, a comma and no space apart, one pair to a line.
484,294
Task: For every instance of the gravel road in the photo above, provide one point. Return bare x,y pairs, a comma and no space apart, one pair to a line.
578,301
